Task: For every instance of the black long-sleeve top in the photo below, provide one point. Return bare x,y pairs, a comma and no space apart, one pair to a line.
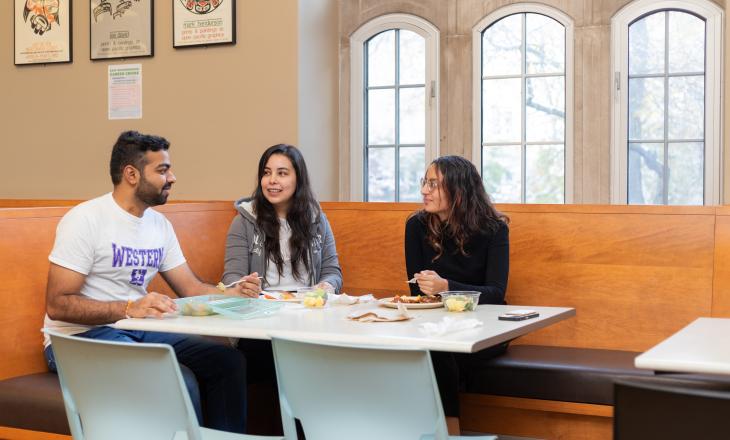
485,268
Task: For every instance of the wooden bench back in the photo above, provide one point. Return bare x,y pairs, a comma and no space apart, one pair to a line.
36,203
634,274
26,239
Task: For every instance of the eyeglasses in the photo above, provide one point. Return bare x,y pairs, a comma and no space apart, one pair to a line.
430,184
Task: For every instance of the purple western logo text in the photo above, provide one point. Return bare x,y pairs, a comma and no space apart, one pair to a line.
128,257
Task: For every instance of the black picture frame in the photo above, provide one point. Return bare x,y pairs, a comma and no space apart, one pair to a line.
121,29
212,22
42,35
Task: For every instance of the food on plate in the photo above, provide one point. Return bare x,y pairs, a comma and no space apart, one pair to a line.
459,303
419,299
285,296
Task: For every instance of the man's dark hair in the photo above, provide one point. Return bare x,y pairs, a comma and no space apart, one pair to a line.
130,149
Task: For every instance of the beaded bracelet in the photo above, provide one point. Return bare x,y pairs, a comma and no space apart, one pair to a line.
126,309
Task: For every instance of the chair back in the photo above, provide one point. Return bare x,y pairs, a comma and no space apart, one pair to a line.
119,390
644,410
356,392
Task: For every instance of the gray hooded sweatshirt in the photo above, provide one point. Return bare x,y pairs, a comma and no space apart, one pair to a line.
245,249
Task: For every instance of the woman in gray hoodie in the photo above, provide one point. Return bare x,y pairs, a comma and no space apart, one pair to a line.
281,235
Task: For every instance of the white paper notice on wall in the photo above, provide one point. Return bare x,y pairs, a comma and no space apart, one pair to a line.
125,91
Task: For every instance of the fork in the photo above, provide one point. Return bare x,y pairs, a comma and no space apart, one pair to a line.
225,286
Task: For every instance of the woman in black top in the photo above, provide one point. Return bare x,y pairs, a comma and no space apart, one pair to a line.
458,241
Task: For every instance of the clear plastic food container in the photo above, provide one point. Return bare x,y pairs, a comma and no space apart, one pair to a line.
313,297
460,301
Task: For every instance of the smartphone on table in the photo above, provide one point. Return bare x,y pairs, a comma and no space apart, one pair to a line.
518,315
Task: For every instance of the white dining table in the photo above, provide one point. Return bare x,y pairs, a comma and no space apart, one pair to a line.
331,325
700,347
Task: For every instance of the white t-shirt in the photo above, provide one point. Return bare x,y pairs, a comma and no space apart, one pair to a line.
118,252
286,281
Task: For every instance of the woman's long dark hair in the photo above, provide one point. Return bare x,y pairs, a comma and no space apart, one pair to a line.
303,209
471,210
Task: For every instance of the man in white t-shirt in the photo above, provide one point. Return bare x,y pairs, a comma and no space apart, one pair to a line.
106,252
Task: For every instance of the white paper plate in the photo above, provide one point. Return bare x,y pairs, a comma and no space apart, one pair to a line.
388,302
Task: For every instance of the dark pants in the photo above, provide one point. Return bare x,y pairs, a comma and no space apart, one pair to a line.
452,372
261,375
214,373
260,358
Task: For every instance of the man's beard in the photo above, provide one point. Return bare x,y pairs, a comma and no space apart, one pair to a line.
149,195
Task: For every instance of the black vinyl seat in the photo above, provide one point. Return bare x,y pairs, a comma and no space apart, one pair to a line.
34,402
647,410
569,374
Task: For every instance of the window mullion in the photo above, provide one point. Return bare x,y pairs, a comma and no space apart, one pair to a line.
665,180
523,111
397,115
365,122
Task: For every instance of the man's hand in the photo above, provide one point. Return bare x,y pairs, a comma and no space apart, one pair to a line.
249,286
430,282
151,305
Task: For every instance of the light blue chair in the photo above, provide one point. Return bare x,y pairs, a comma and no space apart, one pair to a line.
122,391
358,392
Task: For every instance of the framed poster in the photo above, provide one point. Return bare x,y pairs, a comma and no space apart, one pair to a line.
42,31
203,22
120,29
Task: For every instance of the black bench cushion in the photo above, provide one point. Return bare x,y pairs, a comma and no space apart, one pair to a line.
583,375
33,402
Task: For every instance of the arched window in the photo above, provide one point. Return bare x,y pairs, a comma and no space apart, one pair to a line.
394,107
667,64
523,118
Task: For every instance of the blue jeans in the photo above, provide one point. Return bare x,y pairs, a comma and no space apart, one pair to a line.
214,373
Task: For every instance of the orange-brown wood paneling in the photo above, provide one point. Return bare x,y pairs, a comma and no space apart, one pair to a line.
49,203
633,278
721,286
23,434
36,203
648,269
369,238
535,418
201,229
26,239
634,274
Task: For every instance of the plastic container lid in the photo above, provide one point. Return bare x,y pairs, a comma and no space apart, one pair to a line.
230,306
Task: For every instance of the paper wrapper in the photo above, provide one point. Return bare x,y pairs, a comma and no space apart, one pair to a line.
401,314
347,300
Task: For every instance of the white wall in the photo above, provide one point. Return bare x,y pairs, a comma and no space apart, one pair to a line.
318,94
220,107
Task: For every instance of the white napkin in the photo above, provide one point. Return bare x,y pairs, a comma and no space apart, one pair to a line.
346,299
449,325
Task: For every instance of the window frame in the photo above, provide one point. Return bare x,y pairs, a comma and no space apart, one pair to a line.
357,87
477,31
714,19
